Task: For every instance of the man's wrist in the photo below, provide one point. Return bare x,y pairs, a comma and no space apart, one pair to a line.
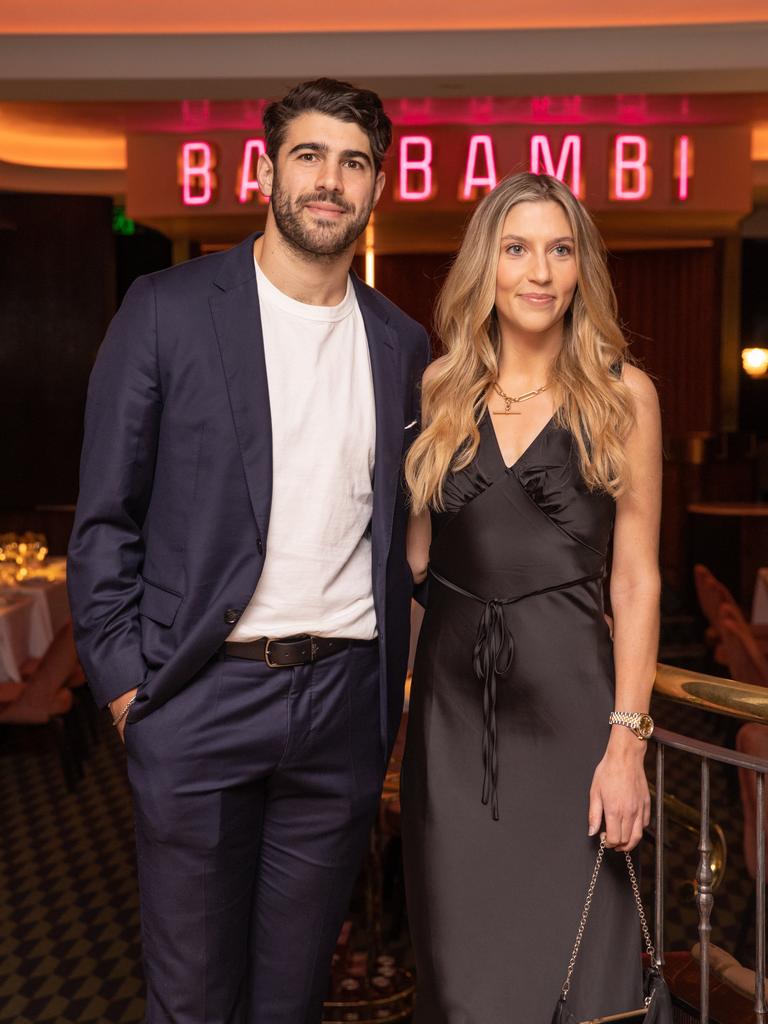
120,706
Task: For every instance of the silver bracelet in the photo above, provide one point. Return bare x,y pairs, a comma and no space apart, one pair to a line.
124,712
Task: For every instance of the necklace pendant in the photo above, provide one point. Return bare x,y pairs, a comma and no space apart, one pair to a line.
506,412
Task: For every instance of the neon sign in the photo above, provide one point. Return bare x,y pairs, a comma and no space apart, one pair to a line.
631,176
418,166
247,184
197,176
421,161
473,180
683,163
541,161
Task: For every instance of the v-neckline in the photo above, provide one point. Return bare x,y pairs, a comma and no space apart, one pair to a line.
525,451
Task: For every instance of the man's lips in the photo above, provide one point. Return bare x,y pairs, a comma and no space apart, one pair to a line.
325,209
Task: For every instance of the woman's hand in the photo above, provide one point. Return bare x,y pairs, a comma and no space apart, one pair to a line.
619,792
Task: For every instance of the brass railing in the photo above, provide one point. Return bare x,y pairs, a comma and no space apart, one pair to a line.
738,700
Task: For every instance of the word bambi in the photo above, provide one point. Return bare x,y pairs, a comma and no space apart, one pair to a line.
629,172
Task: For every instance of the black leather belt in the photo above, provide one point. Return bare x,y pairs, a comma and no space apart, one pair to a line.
287,651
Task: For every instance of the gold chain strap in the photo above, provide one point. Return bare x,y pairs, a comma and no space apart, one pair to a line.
649,948
588,904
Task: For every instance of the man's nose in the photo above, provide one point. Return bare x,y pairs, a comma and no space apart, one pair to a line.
329,177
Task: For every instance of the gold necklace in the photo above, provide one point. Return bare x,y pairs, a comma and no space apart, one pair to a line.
510,400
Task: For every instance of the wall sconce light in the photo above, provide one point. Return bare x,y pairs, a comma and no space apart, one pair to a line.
755,361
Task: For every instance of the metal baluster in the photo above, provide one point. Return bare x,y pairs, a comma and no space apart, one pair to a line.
760,1008
659,900
704,897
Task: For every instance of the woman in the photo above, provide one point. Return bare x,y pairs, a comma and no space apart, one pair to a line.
540,451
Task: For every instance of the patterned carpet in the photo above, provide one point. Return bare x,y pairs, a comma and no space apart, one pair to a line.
69,949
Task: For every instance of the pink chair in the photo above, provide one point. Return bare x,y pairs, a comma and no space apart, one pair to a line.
743,656
751,739
714,596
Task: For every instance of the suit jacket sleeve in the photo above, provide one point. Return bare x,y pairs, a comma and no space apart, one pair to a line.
106,550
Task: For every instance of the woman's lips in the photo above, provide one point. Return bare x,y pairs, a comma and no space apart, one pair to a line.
537,299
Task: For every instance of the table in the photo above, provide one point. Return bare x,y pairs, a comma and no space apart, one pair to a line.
32,613
731,539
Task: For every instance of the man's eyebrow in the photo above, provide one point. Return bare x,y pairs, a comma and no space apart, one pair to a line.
316,147
357,154
322,147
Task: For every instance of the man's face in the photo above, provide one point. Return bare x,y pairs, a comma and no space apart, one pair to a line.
324,185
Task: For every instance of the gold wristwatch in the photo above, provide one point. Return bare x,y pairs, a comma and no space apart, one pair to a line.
640,724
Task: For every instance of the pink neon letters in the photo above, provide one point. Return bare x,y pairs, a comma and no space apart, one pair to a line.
683,165
541,153
472,179
631,173
421,165
196,171
248,185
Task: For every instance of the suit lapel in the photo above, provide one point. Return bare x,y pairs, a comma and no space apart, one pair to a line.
389,419
237,321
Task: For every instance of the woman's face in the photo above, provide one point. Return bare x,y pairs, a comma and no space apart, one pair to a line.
536,276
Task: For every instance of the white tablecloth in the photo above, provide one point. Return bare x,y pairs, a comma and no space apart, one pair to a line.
760,600
31,614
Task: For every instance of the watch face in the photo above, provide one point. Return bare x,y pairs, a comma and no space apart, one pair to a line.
645,726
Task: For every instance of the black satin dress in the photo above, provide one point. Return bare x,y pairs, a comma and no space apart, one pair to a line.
512,688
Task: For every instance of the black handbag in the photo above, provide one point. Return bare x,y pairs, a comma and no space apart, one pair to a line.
657,1002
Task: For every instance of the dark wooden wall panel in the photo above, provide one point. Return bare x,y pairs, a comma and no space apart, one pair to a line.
412,282
57,294
669,308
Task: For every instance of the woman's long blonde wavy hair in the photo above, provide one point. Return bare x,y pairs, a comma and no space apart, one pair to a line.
594,403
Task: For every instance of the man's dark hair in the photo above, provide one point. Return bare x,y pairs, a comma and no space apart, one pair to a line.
336,99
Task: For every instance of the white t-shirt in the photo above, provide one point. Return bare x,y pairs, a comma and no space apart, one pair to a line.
317,575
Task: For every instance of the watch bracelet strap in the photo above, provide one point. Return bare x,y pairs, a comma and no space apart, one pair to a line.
628,718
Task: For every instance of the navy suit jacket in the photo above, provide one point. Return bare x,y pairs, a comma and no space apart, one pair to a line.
172,519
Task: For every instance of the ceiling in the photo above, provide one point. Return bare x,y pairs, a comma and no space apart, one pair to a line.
243,16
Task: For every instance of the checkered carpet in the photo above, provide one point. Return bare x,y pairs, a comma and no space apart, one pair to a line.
69,950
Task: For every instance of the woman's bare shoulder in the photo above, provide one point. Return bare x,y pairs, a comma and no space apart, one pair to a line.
641,386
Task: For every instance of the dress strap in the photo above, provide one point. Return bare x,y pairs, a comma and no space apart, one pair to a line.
492,656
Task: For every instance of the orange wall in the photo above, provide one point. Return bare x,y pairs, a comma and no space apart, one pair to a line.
83,16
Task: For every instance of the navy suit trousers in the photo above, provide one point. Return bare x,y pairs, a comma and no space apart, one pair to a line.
255,790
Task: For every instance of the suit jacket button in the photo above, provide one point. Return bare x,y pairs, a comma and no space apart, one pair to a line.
231,615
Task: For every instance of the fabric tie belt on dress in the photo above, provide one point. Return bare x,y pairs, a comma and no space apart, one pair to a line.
492,656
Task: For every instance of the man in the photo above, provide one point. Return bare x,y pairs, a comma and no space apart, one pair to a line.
238,575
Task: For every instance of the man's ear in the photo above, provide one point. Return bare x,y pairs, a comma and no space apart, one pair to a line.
265,174
378,187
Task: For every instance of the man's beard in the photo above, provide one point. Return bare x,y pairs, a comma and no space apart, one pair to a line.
323,238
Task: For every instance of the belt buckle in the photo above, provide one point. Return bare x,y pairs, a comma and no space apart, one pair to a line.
267,659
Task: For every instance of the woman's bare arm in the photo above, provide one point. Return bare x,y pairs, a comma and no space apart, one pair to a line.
619,792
